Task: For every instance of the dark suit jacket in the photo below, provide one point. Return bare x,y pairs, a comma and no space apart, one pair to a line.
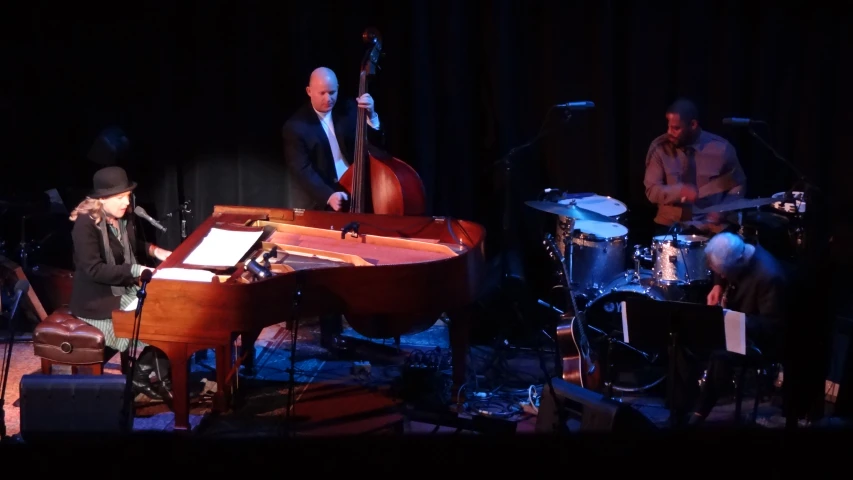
91,296
309,157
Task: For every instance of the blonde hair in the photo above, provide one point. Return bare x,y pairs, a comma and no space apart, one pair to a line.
89,206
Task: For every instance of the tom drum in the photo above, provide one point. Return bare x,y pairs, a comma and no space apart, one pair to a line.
680,259
598,252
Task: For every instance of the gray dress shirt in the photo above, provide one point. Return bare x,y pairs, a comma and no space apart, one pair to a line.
710,164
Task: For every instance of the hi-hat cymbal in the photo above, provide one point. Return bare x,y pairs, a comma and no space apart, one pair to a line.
571,210
741,204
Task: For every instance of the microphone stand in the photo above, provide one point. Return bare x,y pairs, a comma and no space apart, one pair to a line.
182,212
20,288
506,162
813,224
134,339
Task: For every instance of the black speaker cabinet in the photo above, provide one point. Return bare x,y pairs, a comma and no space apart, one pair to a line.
67,405
594,411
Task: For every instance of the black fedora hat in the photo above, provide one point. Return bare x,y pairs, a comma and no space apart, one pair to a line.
110,181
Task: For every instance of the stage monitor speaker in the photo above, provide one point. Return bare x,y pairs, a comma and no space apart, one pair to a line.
594,411
55,406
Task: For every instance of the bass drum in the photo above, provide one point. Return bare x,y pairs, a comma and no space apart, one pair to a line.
634,370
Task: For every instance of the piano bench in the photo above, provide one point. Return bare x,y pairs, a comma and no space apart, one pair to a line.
63,339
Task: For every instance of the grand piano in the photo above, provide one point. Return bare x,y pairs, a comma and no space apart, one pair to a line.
388,275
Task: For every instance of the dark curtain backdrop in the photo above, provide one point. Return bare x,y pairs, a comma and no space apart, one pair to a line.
203,88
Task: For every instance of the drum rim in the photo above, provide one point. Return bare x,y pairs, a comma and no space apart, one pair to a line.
577,233
655,239
623,281
597,239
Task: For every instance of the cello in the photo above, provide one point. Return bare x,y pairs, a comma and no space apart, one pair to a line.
377,182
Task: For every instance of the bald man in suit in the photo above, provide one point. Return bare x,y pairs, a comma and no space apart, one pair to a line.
319,140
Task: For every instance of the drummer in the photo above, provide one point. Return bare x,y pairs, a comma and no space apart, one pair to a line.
688,167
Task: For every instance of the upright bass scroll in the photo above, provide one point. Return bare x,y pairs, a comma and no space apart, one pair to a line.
376,181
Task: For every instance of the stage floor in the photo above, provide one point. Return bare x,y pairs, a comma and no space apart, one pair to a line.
330,400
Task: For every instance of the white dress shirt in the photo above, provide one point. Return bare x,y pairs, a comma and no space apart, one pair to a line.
341,163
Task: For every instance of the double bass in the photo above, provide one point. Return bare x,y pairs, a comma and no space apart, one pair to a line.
377,182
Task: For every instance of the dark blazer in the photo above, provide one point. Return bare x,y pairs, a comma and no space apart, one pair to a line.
308,155
91,296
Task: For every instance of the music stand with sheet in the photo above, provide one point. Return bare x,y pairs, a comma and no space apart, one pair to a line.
654,324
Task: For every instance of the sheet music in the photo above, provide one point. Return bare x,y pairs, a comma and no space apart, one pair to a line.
223,248
735,331
186,274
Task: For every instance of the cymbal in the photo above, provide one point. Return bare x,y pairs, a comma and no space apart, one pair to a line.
742,204
571,210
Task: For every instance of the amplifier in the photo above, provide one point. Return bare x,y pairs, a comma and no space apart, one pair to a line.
593,412
69,405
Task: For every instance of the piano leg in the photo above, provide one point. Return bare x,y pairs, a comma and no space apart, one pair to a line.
222,397
460,326
178,356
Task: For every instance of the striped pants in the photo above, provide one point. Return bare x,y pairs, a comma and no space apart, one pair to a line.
128,302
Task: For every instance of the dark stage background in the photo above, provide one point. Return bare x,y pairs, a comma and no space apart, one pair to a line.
203,88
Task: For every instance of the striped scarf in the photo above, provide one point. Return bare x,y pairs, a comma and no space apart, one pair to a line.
128,252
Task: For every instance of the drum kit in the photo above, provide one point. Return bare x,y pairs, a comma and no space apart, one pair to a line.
593,241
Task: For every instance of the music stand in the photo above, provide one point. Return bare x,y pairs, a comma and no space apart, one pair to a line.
653,325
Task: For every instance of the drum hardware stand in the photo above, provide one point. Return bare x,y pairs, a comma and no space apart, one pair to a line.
610,377
641,254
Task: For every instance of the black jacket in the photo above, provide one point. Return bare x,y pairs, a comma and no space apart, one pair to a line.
91,296
309,157
763,293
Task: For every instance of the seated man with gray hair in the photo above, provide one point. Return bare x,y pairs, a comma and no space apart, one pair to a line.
750,280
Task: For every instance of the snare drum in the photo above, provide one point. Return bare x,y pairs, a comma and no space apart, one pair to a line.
599,252
607,206
680,261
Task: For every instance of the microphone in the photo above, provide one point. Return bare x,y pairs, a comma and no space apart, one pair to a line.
584,105
144,278
258,270
141,213
740,122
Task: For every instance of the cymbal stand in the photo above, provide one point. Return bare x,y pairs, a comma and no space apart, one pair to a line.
570,247
809,188
23,248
